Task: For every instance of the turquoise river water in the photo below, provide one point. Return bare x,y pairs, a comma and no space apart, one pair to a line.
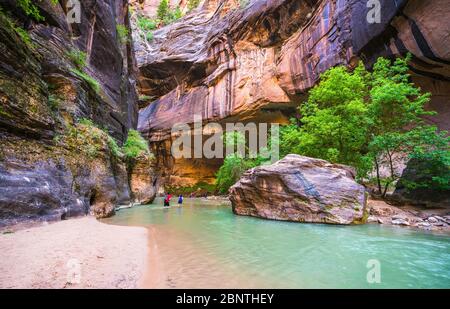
204,245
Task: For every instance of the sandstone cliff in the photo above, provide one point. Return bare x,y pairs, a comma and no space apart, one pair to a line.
51,164
301,189
230,62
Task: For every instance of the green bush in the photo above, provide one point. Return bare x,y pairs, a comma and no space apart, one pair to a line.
122,33
147,24
166,15
173,15
235,164
88,79
84,138
113,147
21,33
144,98
90,139
78,57
149,36
25,36
54,102
192,4
135,145
231,170
87,122
31,9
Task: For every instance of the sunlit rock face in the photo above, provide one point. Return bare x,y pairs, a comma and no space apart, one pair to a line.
144,179
301,189
256,63
41,101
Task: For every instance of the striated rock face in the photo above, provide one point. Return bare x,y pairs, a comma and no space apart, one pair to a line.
144,180
301,189
50,166
256,63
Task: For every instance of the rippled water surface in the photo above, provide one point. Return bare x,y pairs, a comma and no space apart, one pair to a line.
203,245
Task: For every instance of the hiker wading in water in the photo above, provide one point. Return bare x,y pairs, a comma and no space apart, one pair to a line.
167,198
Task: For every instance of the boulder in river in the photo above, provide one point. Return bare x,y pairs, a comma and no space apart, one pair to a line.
301,189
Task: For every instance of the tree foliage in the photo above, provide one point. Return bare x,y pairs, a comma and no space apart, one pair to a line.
365,119
235,164
163,9
231,170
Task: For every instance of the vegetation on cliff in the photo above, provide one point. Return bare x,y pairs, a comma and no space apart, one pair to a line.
165,16
122,33
79,58
60,124
85,137
31,9
192,4
135,145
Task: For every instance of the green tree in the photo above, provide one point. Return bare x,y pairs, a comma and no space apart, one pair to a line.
368,120
177,13
422,144
395,110
334,123
429,145
235,164
231,170
163,9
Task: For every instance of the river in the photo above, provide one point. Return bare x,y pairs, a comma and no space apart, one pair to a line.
204,245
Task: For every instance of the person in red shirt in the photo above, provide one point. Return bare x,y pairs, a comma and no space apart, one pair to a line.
167,200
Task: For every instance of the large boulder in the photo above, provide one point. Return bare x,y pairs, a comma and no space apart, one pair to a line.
301,189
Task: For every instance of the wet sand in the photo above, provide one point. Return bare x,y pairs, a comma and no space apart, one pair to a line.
77,253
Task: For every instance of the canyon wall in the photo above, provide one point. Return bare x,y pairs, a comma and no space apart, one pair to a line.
228,62
58,116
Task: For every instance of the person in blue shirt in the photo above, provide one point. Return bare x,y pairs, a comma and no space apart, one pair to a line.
180,199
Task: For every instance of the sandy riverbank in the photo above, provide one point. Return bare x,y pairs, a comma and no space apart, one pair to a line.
83,251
